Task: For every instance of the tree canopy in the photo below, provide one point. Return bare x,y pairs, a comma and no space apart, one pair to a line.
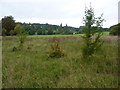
8,23
115,29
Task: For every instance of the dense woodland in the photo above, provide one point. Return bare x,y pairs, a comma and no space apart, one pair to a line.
48,29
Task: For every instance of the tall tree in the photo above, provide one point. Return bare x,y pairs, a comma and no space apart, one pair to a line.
92,33
8,23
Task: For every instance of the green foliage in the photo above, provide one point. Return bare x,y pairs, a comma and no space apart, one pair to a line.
32,69
115,30
48,29
3,31
21,34
12,32
8,23
56,50
92,33
15,49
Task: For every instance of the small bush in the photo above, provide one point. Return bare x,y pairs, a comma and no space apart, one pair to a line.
3,32
55,50
21,34
14,49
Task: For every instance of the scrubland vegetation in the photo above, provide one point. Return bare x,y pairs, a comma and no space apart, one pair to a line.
49,56
32,68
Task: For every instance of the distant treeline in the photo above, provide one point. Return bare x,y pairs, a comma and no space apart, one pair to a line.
48,29
8,25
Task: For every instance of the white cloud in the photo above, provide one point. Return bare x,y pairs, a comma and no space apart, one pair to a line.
33,1
19,1
119,12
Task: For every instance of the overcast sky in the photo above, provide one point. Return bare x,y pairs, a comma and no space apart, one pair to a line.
68,12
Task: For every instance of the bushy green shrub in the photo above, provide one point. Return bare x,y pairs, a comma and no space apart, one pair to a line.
21,34
55,50
3,31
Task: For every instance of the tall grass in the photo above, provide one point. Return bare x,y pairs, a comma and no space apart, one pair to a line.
31,68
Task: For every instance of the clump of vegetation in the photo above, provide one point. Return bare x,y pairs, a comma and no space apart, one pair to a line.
92,33
3,31
115,30
14,49
21,34
55,50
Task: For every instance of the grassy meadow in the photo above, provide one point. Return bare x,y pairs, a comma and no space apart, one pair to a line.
31,67
104,34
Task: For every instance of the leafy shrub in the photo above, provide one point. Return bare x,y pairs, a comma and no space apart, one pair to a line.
55,50
14,49
21,34
3,31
